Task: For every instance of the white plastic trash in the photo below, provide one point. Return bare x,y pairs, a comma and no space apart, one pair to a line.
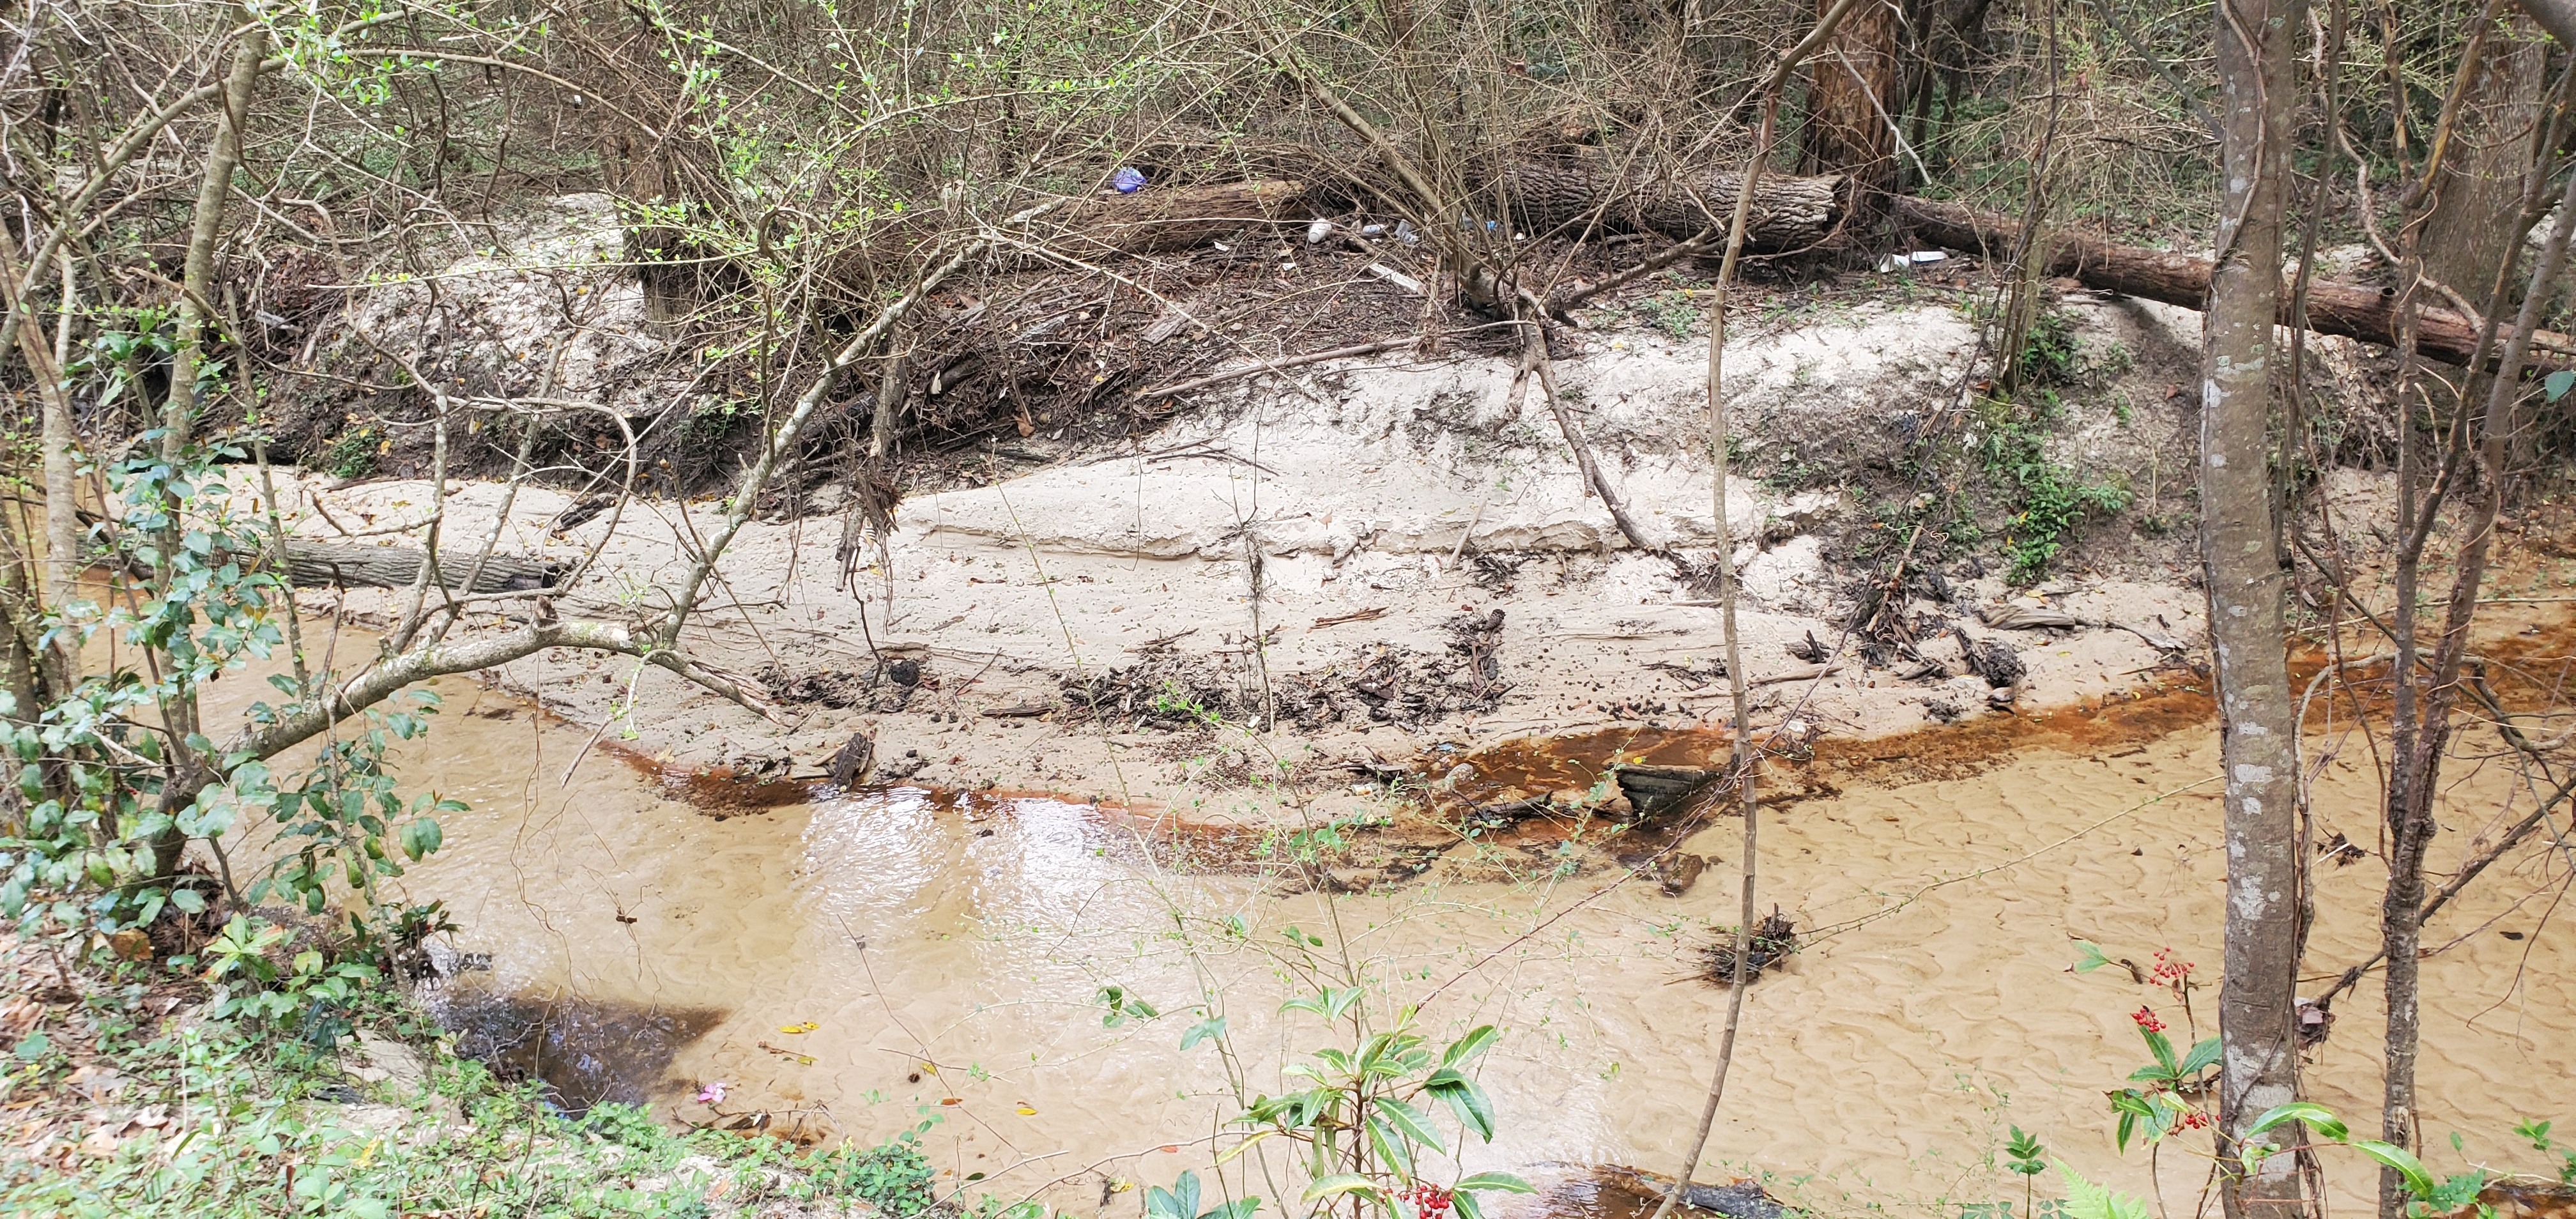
1899,262
1318,231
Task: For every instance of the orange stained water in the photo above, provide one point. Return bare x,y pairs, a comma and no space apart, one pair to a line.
853,963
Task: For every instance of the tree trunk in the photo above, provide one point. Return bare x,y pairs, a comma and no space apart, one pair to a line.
2352,310
2419,744
1788,212
197,278
1852,101
2556,16
2242,567
62,516
179,408
2474,221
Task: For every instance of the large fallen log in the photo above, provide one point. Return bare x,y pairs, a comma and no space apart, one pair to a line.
323,564
1160,220
2360,311
1154,220
1789,212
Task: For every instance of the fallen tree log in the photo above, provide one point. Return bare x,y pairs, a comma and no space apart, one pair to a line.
1162,220
312,564
1789,211
2360,311
1154,220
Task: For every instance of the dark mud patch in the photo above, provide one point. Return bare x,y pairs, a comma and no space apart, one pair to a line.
722,791
588,1051
1614,1191
725,791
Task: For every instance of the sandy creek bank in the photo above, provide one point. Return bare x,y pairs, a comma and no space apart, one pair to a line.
1415,550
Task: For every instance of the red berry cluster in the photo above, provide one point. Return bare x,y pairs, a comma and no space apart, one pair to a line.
2193,1119
2146,1018
1429,1201
2170,972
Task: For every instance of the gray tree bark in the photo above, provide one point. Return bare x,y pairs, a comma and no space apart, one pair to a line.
197,277
2480,185
2242,569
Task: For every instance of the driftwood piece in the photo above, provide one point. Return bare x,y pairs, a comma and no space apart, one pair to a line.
856,758
1789,211
2359,311
1653,789
323,564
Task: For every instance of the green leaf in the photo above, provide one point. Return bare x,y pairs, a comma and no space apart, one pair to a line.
2160,1046
1466,1099
2417,1179
1244,1146
1213,1026
1240,1208
1503,1181
2558,383
1391,1147
2085,1200
1408,1121
2090,957
2204,1055
1477,1040
2318,1117
1466,1205
1341,1183
421,838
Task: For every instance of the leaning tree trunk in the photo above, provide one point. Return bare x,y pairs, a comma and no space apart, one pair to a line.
179,408
2479,188
2242,567
1852,101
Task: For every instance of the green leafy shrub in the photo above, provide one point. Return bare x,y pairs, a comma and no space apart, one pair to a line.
353,452
892,1176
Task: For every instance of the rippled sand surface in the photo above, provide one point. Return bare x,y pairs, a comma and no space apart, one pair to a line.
950,955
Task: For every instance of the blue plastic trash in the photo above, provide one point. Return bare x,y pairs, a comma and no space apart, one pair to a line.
1127,180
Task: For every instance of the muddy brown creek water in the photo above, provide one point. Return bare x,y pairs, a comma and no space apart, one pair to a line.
849,963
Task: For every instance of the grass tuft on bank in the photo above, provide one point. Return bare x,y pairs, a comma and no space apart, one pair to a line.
125,1095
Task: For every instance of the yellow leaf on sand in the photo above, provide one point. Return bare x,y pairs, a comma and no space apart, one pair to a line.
1121,1185
1025,1111
807,1027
